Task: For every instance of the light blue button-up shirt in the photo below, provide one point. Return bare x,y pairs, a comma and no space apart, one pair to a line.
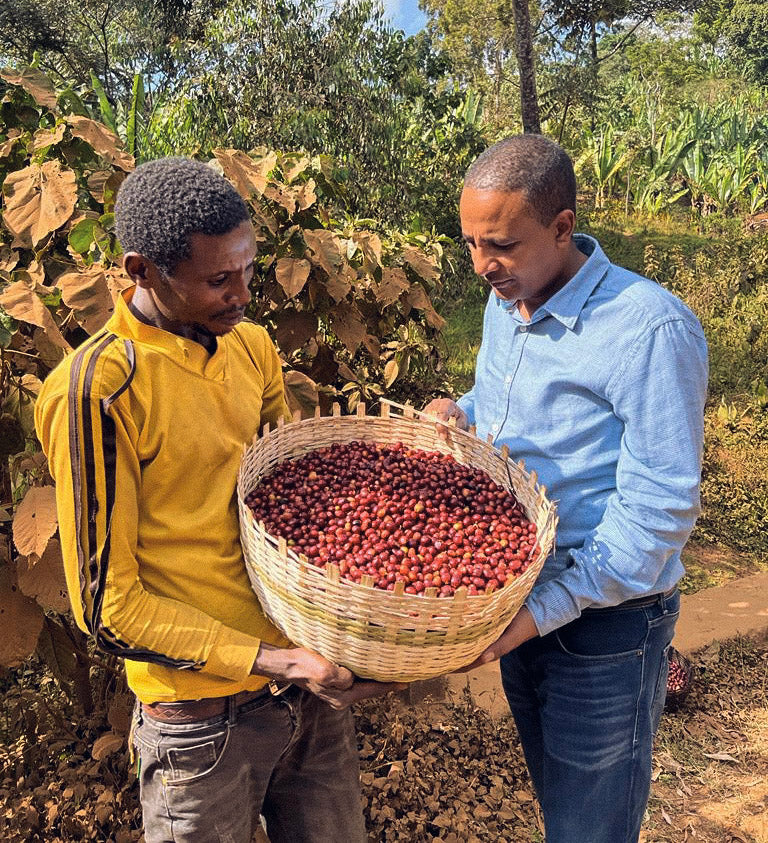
602,394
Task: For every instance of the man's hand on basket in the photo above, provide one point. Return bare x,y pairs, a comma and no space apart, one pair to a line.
333,684
446,409
521,629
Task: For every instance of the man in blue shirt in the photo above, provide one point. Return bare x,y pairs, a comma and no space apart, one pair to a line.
596,378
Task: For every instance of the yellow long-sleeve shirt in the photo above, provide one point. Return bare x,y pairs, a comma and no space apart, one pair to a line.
144,431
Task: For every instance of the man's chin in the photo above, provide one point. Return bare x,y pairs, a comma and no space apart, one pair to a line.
505,292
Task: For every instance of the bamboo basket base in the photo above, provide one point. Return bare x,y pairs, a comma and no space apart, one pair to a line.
387,636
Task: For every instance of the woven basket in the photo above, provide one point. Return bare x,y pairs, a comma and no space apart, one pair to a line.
377,634
676,696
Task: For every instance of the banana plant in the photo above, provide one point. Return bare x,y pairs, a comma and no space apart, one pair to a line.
126,121
757,191
607,157
662,160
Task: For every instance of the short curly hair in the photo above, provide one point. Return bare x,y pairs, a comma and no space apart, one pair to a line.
532,164
163,202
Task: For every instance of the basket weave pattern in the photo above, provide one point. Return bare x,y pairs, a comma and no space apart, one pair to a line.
377,634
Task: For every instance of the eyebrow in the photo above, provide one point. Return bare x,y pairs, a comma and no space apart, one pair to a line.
228,271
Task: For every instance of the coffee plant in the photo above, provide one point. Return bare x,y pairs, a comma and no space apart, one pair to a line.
347,301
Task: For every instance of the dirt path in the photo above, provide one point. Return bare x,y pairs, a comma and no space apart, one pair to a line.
738,607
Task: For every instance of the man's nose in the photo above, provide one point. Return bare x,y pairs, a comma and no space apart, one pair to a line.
484,263
239,288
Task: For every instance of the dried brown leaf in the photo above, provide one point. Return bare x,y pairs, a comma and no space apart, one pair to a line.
104,142
87,294
34,82
248,175
293,329
106,745
721,756
325,249
348,325
55,648
292,274
103,184
117,280
48,137
21,621
8,258
418,298
306,196
51,353
338,284
373,346
43,578
370,245
394,282
38,199
6,147
35,520
285,196
301,393
424,266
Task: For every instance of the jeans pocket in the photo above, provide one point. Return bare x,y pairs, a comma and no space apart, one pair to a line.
186,754
192,762
606,635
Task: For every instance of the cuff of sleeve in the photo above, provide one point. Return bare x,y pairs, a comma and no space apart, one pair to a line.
232,654
551,606
468,407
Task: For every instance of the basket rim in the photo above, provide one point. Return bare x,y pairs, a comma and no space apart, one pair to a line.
408,601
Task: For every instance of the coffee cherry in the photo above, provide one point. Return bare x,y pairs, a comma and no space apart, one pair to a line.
398,515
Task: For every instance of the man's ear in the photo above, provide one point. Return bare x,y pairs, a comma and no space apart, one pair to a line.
141,270
565,223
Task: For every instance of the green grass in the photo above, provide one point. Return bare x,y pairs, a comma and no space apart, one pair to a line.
462,341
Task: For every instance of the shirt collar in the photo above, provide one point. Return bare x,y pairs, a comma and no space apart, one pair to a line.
185,351
568,302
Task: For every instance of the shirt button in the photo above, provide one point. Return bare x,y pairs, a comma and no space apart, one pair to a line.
523,329
508,379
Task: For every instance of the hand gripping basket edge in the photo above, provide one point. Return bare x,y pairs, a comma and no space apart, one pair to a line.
377,634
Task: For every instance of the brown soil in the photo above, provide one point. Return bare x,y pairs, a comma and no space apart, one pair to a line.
711,760
431,771
442,772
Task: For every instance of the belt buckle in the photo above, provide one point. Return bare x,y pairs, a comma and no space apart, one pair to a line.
276,689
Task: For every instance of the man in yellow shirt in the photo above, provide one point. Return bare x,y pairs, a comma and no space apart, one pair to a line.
143,427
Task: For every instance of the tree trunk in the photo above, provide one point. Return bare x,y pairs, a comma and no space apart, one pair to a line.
529,101
593,71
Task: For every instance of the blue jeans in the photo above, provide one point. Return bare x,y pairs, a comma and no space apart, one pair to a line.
291,758
587,700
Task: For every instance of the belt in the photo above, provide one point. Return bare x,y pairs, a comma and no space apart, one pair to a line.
189,711
637,602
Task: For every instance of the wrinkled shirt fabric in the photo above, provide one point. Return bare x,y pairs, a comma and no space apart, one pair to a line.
601,394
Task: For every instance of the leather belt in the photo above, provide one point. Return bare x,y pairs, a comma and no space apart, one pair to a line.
650,599
637,602
189,711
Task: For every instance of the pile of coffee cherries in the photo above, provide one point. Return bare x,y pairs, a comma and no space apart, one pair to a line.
679,676
392,514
